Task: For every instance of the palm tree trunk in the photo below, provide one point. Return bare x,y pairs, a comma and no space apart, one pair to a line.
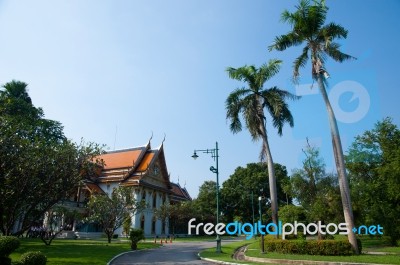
340,166
271,177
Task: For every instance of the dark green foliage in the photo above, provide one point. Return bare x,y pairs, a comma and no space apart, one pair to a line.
33,258
135,235
8,244
110,213
237,202
39,165
316,191
310,247
373,161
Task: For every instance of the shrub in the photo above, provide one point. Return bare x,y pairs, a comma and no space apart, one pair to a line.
310,247
8,244
135,235
33,258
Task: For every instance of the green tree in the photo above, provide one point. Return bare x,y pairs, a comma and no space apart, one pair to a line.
251,102
39,166
308,27
111,212
373,161
314,189
205,205
241,190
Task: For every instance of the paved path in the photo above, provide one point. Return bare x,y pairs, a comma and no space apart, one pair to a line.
175,253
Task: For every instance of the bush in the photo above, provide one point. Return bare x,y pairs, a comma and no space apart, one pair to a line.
310,247
135,235
33,258
8,244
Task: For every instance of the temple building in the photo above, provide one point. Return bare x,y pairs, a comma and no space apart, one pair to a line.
144,169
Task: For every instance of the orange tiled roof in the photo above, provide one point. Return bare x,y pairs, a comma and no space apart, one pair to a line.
145,161
121,159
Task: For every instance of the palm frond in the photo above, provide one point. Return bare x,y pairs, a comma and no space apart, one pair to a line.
267,71
283,42
332,49
332,31
300,61
234,105
244,73
274,101
253,116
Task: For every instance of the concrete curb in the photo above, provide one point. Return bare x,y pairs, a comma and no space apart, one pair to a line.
219,261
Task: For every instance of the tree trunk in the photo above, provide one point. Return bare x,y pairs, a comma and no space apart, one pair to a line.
271,177
340,166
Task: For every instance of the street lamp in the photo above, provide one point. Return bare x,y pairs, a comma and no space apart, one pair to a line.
214,155
260,212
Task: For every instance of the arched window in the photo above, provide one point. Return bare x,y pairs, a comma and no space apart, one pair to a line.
153,226
142,222
154,200
144,196
163,227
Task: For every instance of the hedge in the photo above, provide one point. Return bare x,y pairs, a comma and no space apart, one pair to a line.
8,244
33,258
310,247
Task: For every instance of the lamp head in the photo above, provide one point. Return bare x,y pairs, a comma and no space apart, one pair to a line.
213,169
195,156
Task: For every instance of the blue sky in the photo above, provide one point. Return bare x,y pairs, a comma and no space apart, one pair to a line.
132,68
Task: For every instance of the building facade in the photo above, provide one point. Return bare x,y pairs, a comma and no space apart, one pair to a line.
145,170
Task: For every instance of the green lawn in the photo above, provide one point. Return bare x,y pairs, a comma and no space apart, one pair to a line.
369,244
78,252
227,252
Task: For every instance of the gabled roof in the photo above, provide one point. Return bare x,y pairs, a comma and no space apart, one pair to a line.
179,193
129,166
122,158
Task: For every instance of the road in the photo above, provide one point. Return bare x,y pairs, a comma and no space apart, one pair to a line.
175,253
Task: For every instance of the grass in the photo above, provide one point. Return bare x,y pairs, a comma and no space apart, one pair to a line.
369,244
227,252
77,252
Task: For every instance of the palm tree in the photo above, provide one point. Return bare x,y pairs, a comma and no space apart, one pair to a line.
308,27
15,100
251,102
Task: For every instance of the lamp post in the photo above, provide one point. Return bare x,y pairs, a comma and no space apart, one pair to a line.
260,212
214,155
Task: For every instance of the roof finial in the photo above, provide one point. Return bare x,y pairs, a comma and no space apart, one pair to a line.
178,179
164,138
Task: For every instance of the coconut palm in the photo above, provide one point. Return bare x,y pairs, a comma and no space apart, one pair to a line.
309,28
250,102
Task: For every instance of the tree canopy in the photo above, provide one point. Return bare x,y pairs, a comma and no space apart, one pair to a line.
39,166
373,161
239,193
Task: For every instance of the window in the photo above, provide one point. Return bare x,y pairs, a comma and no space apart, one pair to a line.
154,200
142,223
153,226
144,196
